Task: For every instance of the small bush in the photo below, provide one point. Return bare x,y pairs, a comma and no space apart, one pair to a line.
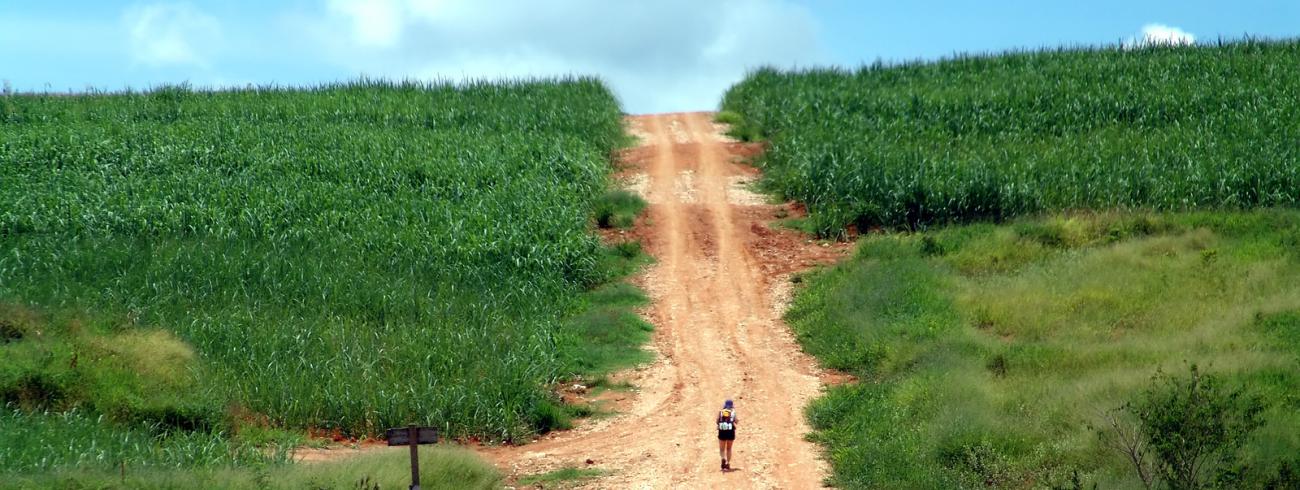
628,249
746,132
547,416
1286,478
33,391
739,128
931,246
998,366
1188,432
9,332
16,322
618,209
729,117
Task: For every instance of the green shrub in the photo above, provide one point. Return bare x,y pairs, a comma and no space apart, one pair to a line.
728,117
618,209
1193,428
548,416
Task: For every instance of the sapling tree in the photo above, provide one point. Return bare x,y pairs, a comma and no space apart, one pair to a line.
1184,432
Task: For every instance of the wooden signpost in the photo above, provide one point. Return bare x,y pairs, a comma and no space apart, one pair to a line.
413,436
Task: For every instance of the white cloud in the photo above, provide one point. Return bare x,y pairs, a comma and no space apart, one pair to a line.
375,23
1161,35
658,56
172,34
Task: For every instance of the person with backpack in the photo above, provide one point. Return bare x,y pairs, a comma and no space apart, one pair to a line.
726,432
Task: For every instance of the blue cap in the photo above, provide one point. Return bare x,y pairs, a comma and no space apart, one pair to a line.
727,404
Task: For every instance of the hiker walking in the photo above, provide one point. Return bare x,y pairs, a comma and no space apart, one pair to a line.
726,433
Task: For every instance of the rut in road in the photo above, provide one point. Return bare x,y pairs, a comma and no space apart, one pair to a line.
716,292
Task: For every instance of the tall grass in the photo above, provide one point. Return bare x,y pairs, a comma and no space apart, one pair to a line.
980,137
350,256
441,467
987,355
76,439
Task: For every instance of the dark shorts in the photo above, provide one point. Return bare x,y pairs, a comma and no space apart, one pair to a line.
727,435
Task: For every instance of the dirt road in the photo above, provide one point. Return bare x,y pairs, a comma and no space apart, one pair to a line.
718,289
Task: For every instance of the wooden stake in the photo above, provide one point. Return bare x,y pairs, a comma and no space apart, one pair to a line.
414,434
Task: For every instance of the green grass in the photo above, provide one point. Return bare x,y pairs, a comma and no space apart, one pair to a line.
440,468
611,330
238,266
618,209
608,332
737,127
129,375
728,117
561,478
987,350
992,137
987,353
34,443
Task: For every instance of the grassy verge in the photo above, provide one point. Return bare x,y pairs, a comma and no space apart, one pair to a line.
607,334
440,468
618,209
561,478
738,128
989,354
129,374
611,332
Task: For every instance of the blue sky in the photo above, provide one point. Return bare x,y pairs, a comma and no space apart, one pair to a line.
660,55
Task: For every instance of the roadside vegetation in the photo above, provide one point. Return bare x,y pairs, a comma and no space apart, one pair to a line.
1078,268
569,477
441,468
618,209
1013,356
197,278
982,137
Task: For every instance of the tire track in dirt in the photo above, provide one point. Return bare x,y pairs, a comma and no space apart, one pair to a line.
715,287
